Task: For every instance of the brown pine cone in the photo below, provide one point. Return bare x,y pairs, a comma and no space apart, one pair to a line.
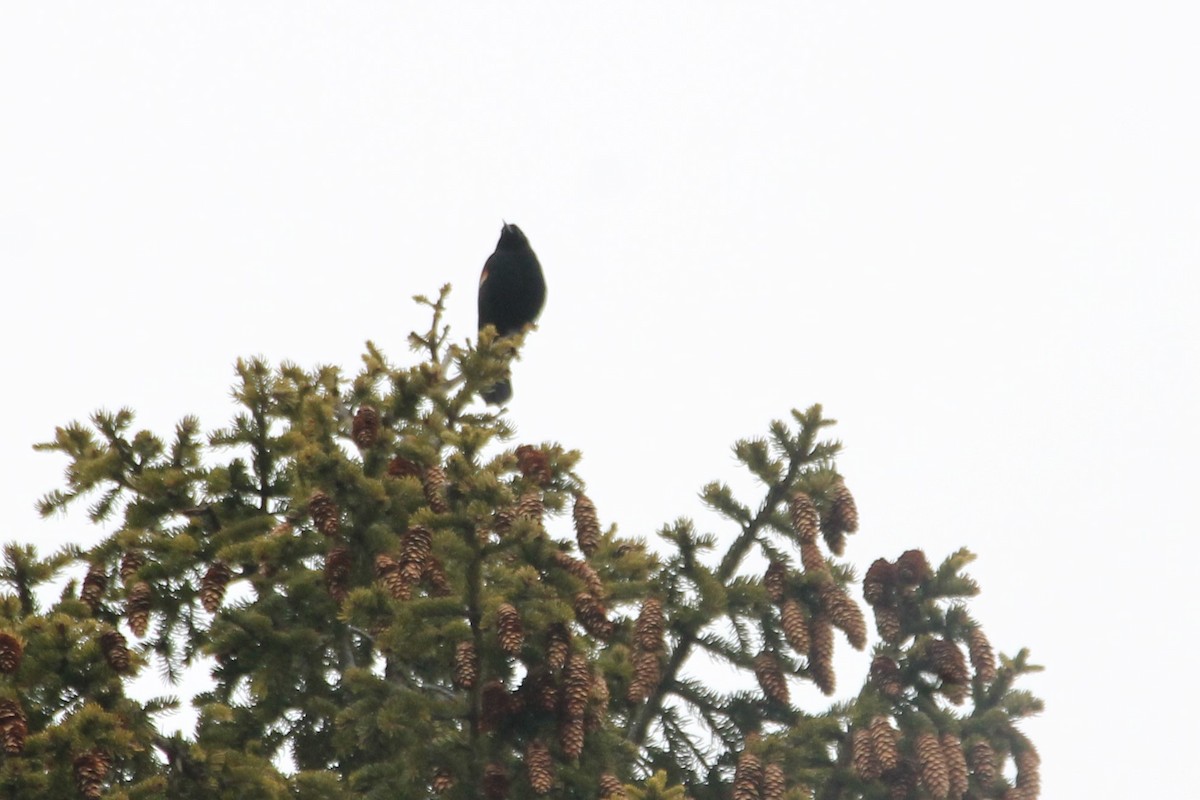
116,650
806,522
531,507
912,568
365,430
539,690
212,585
597,708
587,525
137,608
1029,780
91,768
401,467
509,630
13,726
771,678
443,781
577,686
495,704
935,776
495,782
748,778
774,783
982,657
843,513
956,765
795,626
884,739
434,484
539,766
435,576
885,674
648,631
466,665
845,615
325,514
533,464
982,759
887,622
570,736
581,570
812,559
862,755
131,562
820,653
947,661
775,581
646,675
611,788
11,651
558,645
94,584
387,570
593,616
879,581
902,781
416,546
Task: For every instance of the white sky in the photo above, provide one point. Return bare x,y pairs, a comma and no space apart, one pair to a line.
971,233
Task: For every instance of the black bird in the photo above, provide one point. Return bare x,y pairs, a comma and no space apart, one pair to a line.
512,291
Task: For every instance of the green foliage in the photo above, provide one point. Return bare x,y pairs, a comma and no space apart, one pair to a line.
346,558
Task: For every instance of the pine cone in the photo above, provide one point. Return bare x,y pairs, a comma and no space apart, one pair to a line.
116,650
982,759
587,525
956,765
935,776
94,584
91,768
646,675
611,788
775,581
577,685
558,645
337,575
466,665
539,766
495,705
387,570
902,781
540,691
443,781
131,562
509,631
365,430
435,489
1029,780
771,679
212,586
879,581
982,657
435,576
805,520
11,650
325,514
748,778
795,626
887,622
774,783
581,570
948,662
13,726
811,558
495,782
648,631
570,737
416,545
884,743
912,568
820,653
533,464
597,709
862,755
531,507
401,467
137,608
843,513
502,521
885,674
845,614
593,616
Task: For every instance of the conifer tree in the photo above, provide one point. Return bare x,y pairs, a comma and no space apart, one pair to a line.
397,604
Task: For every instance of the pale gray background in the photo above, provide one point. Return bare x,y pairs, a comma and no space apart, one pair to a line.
969,231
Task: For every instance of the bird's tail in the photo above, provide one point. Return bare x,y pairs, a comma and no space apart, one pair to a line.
499,393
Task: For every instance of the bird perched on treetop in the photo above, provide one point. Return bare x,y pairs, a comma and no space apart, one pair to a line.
512,291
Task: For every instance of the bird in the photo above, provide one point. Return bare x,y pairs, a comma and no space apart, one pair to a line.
512,291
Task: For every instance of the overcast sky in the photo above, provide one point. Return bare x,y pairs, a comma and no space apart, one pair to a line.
970,232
